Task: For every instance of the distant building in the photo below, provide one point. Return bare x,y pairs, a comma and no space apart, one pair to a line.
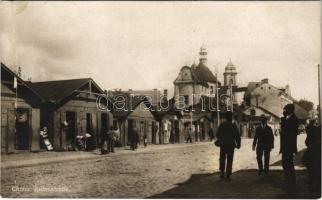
133,112
271,98
155,96
252,118
193,85
230,81
195,81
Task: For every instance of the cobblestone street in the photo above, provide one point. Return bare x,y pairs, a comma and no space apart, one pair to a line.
184,171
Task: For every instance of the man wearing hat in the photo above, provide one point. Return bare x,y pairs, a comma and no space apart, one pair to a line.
289,131
264,140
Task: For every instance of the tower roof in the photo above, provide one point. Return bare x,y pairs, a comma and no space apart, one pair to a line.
203,74
230,67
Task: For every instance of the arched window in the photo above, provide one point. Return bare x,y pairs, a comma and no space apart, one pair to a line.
232,81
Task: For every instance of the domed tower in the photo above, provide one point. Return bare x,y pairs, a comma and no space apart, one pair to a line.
230,79
230,74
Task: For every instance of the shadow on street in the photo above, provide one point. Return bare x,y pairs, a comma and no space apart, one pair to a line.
244,184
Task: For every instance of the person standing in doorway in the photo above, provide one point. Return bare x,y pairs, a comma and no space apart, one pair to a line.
264,140
189,135
134,139
229,139
289,132
145,140
110,140
211,134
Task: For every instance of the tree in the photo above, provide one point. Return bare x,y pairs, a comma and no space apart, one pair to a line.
307,105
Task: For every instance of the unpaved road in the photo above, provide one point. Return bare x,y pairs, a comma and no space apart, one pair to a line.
185,172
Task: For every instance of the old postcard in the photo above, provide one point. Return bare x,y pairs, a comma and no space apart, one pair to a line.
191,99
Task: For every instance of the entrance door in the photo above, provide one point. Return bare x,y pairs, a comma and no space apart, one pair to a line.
22,129
203,134
130,130
71,128
103,126
89,124
153,133
176,131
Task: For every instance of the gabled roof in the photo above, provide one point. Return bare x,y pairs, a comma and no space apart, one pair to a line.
168,108
300,112
57,91
251,87
263,109
8,75
202,74
127,103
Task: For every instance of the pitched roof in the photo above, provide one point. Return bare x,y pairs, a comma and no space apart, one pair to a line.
56,91
127,104
8,75
168,108
202,74
300,112
251,87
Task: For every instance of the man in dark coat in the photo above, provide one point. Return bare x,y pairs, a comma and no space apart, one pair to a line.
229,139
264,140
312,156
289,132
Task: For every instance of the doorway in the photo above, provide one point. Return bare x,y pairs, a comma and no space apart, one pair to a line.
22,129
89,124
176,131
71,128
130,130
154,133
103,127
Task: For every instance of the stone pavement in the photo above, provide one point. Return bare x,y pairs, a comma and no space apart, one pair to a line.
24,158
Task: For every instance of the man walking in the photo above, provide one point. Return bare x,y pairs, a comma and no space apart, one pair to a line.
229,139
289,130
264,140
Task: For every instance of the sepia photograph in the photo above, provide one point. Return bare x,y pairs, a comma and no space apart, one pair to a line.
160,99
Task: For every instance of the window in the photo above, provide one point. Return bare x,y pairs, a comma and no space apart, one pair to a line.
211,89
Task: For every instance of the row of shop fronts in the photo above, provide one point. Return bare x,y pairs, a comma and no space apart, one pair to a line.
68,109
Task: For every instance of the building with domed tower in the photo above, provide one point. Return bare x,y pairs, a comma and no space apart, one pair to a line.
193,86
195,81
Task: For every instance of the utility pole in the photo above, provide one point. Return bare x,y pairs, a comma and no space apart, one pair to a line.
319,81
217,97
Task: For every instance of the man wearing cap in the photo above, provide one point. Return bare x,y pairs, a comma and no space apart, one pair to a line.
264,140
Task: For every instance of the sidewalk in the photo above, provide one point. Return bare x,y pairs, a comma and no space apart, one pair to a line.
26,159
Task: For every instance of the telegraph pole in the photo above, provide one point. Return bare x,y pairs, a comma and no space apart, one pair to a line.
217,97
319,87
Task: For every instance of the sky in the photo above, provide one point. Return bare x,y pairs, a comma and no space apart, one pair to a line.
143,45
